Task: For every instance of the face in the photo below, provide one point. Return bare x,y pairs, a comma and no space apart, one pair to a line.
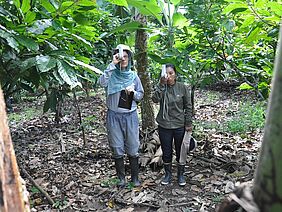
125,59
171,76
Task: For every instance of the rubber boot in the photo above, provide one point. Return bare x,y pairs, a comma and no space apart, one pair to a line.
119,164
168,175
180,175
134,167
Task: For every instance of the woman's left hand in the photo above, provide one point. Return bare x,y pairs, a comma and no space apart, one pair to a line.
188,128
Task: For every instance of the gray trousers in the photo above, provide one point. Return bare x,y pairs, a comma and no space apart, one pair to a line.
123,133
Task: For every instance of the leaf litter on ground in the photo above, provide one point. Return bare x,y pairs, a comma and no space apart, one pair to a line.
82,178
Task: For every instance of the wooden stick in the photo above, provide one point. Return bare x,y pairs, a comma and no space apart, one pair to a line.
50,200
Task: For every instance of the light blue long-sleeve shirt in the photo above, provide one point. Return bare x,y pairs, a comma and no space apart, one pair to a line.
113,99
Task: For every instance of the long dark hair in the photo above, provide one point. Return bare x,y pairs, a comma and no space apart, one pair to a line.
169,65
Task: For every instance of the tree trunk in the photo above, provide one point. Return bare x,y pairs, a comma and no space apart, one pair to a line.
267,189
147,112
11,189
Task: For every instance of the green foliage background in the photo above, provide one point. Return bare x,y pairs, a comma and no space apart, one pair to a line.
54,46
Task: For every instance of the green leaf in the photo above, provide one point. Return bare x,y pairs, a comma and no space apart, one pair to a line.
67,74
28,63
48,6
10,39
25,6
245,86
27,42
248,21
17,3
45,63
26,87
276,8
88,3
92,68
51,102
175,2
179,20
253,35
128,27
147,8
119,2
29,17
66,4
81,19
235,8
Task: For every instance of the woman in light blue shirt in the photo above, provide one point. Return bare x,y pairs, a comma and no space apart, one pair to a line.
124,90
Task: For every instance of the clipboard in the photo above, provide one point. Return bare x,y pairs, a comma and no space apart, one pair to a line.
125,100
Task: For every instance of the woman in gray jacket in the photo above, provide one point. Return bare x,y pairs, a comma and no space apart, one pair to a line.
174,118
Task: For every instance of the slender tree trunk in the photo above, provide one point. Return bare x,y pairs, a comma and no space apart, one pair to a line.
147,112
12,192
267,189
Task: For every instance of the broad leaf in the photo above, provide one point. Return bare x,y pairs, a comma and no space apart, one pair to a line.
248,21
27,42
67,74
29,17
92,68
119,2
175,2
253,35
17,3
235,8
180,20
51,102
25,6
48,6
10,39
276,8
26,87
147,8
245,86
45,63
132,26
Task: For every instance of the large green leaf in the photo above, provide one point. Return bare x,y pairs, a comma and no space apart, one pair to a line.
17,3
119,2
27,42
87,3
248,21
131,26
147,8
180,20
253,35
48,6
67,74
26,87
276,8
175,2
51,102
25,6
235,8
30,17
92,68
45,63
28,63
9,38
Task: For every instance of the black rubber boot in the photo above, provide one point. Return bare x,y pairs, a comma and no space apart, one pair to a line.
180,175
134,166
167,178
119,164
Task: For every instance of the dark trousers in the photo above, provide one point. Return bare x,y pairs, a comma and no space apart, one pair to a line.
167,136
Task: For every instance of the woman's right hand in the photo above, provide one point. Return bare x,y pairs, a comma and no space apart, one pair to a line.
115,59
163,80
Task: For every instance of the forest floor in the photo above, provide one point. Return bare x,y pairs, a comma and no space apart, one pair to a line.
80,177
